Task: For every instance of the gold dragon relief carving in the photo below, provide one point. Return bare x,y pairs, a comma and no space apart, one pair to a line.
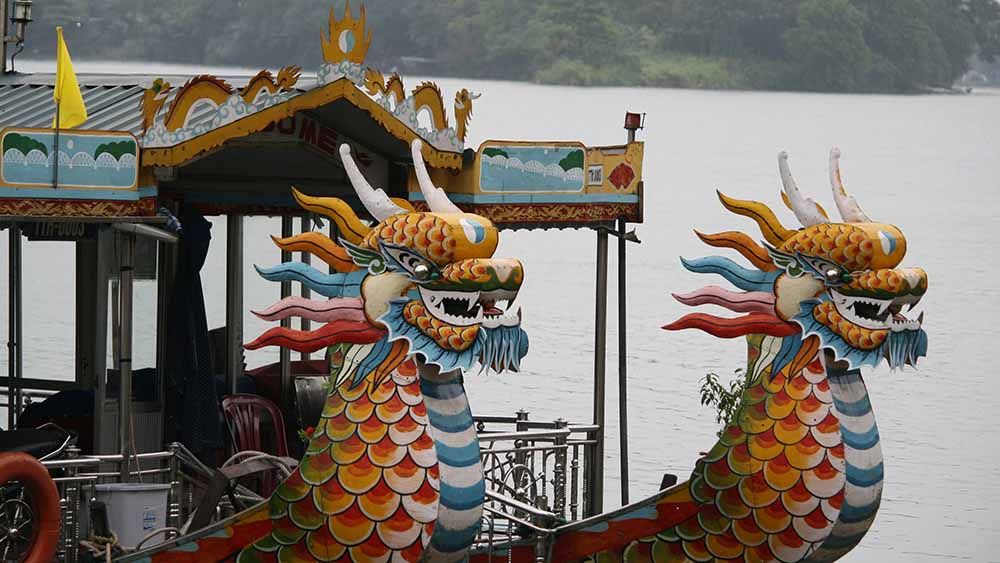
207,88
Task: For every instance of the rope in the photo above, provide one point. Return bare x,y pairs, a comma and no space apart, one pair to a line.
101,545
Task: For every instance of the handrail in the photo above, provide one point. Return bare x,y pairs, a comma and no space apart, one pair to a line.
75,462
117,458
526,435
521,521
518,505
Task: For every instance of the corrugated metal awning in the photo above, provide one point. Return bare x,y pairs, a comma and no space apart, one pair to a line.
112,100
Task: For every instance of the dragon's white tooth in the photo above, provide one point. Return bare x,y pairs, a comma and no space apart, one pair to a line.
884,307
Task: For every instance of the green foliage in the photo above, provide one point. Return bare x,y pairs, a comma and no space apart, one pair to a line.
724,398
902,44
116,149
23,144
493,151
829,47
572,160
682,70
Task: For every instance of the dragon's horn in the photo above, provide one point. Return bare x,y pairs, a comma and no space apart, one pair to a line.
475,96
375,201
437,200
849,209
806,210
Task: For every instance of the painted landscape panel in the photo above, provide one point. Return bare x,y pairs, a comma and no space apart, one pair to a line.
86,159
531,168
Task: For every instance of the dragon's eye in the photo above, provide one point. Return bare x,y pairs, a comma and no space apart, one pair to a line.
832,276
826,271
410,262
421,272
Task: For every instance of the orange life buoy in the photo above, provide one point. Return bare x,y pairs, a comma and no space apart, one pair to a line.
33,476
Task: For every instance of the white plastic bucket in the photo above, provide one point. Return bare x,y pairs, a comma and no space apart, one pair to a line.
135,510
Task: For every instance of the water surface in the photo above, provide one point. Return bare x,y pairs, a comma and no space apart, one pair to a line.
928,164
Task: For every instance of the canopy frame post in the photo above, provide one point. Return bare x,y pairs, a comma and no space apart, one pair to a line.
99,343
124,357
234,300
15,326
622,364
595,467
623,239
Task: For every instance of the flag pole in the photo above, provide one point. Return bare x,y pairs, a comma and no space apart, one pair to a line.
55,169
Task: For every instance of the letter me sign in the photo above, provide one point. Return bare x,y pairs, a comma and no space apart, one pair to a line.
326,140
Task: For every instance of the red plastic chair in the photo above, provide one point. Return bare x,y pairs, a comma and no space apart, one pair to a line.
243,414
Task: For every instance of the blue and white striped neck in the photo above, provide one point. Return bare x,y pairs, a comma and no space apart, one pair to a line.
863,465
463,490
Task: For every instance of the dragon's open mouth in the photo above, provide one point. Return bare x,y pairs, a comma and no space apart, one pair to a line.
877,314
465,308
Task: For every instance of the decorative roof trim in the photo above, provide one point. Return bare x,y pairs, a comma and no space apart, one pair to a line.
343,88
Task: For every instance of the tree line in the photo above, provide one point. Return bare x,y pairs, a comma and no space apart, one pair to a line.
822,45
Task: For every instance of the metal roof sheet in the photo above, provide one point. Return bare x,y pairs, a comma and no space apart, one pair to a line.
112,100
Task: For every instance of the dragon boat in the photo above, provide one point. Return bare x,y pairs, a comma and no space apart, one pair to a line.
400,304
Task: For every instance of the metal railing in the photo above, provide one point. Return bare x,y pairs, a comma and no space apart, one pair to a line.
534,472
534,478
77,478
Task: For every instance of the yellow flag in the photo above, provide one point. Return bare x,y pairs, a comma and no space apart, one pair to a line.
67,95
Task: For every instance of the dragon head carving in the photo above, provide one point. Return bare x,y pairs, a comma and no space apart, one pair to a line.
428,279
838,284
152,101
463,111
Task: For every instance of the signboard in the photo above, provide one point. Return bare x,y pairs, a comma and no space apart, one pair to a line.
595,175
59,230
106,160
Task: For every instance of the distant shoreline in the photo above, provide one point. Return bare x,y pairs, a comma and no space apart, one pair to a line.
157,68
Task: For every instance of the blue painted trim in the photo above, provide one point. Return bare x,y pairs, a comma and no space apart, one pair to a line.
850,514
462,498
860,441
444,392
528,198
864,477
99,194
464,456
451,423
451,541
860,407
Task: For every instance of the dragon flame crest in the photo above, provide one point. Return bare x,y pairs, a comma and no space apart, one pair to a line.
838,284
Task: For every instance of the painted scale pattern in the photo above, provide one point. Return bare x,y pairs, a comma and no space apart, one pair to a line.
368,486
772,487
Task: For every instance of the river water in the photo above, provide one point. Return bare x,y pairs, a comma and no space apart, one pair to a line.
928,164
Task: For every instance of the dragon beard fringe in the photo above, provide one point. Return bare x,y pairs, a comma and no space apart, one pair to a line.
496,349
899,348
